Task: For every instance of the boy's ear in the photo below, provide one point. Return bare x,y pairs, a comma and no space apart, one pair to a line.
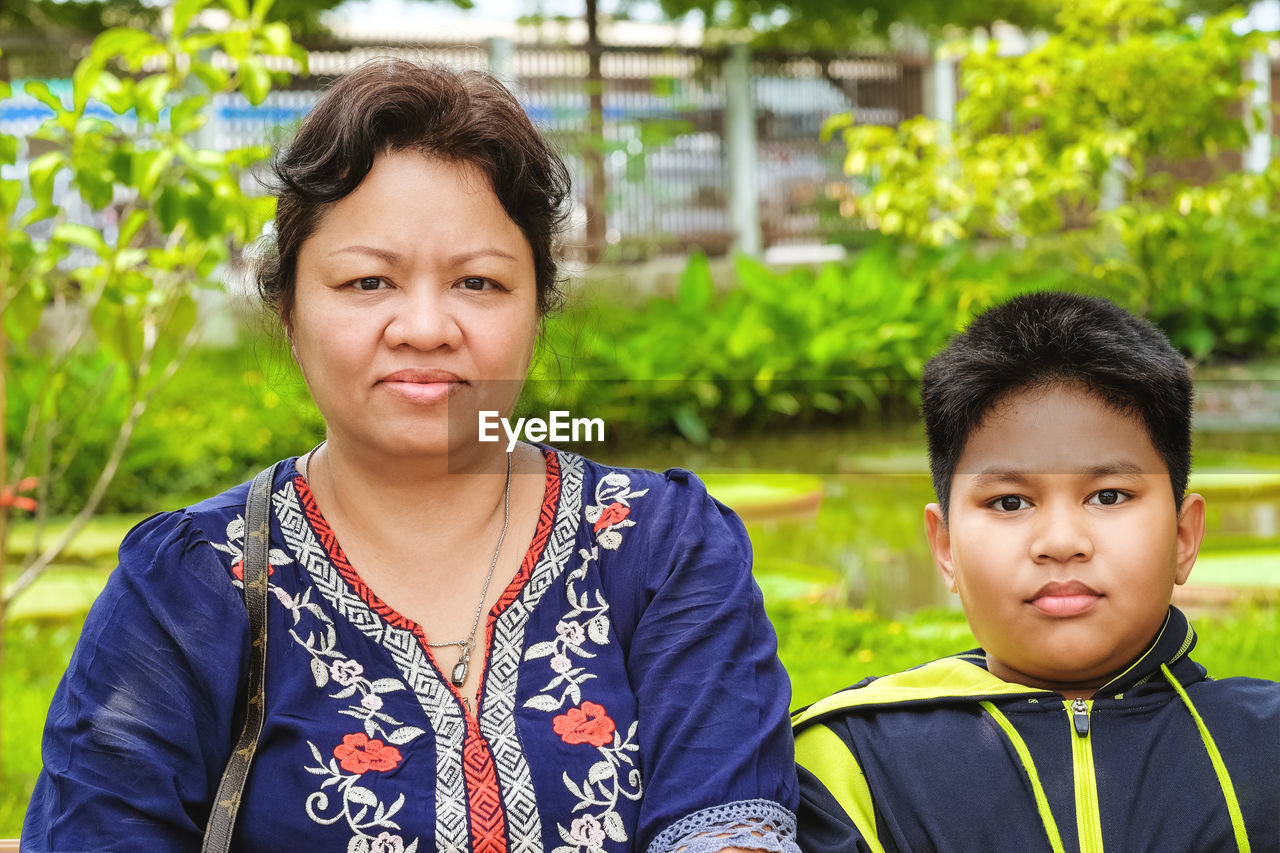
1190,534
940,543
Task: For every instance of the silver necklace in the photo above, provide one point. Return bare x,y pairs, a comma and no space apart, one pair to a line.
467,646
459,674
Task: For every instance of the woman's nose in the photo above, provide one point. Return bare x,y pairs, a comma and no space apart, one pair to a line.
422,318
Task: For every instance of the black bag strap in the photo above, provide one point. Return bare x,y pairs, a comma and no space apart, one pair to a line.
257,535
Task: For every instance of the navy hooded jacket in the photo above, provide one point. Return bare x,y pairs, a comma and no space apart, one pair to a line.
947,757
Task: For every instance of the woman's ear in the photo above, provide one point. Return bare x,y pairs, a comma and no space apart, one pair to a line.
935,527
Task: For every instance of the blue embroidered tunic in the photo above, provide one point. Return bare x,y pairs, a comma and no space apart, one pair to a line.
631,696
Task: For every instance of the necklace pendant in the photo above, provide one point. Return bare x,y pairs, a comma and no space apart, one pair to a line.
459,675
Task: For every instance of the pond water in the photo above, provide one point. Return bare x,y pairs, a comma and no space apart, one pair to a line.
865,546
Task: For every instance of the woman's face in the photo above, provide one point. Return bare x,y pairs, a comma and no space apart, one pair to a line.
415,300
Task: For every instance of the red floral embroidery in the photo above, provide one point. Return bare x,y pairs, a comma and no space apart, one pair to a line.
238,570
588,723
358,754
612,514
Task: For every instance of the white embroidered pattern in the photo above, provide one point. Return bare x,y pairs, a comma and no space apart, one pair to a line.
615,776
452,833
754,824
497,710
608,515
354,809
328,663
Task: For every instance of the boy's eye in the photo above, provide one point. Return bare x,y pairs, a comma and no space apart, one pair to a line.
1108,497
1009,503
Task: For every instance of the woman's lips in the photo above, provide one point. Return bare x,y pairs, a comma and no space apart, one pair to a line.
421,386
1071,598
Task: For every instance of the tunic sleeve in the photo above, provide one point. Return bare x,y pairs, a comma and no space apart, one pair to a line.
715,739
140,726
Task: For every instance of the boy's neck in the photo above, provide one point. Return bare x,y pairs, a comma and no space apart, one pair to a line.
1068,690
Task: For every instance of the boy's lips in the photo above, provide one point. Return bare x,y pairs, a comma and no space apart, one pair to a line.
1069,598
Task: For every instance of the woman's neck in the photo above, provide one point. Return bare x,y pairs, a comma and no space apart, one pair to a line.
398,505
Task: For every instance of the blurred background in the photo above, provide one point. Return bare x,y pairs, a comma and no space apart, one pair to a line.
781,210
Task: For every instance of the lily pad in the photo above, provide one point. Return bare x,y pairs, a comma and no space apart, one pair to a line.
766,495
788,580
1256,570
1235,484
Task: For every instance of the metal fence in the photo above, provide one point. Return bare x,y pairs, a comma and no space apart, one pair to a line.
666,171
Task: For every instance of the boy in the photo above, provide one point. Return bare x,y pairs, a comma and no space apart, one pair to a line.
1059,431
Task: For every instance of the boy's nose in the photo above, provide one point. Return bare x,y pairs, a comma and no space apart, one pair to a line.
1061,535
422,319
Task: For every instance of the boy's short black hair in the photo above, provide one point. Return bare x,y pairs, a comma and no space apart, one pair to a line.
1048,338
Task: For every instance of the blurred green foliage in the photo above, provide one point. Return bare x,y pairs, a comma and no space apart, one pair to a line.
1111,150
114,226
774,348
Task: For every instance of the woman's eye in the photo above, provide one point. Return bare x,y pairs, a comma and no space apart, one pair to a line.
1108,497
368,283
474,282
1009,503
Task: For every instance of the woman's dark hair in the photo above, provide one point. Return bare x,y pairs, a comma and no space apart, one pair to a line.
1044,339
389,105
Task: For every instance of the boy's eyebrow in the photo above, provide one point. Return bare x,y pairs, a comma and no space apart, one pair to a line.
1117,468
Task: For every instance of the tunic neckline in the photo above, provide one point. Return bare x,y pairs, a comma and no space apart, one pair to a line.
351,577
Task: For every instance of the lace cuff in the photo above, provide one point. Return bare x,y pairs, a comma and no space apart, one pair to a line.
750,824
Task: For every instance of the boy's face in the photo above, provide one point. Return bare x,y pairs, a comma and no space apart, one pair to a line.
1063,540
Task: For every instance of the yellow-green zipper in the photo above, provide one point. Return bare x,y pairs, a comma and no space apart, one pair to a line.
1088,817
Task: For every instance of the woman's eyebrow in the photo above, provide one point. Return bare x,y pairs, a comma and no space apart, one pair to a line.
492,252
383,254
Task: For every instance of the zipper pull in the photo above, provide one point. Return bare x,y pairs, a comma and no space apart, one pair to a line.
1080,716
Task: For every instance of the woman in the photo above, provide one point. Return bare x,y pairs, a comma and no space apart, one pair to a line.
469,649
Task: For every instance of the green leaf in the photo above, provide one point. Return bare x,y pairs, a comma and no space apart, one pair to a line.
183,12
696,287
42,172
117,94
8,149
690,424
173,334
151,93
81,235
238,8
277,38
215,78
115,325
124,42
188,115
22,312
83,80
10,192
39,90
170,208
148,166
255,80
834,124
